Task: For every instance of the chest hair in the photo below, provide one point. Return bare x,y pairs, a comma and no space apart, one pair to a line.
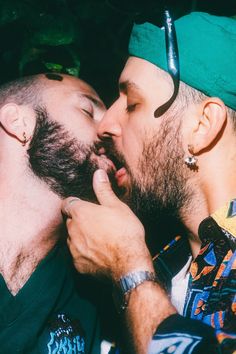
16,269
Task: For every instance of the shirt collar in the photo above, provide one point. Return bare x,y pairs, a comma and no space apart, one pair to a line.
226,217
221,224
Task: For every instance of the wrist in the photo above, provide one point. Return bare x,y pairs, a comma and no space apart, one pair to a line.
130,263
128,283
152,300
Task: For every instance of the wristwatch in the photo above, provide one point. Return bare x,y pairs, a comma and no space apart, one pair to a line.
123,287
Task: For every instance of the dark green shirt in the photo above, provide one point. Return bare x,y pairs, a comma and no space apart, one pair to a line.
48,315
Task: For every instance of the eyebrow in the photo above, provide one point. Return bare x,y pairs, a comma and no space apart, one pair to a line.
124,86
94,100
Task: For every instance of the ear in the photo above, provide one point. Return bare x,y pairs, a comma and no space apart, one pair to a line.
210,123
17,121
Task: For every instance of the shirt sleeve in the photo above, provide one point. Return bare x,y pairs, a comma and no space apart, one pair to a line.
180,335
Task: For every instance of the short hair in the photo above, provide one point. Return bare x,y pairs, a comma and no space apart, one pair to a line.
26,90
188,95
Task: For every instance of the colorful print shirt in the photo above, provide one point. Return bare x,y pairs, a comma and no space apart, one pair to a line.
208,324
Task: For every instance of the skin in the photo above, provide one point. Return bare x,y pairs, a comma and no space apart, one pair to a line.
108,239
30,213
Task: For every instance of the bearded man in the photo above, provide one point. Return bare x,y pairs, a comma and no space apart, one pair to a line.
178,147
47,139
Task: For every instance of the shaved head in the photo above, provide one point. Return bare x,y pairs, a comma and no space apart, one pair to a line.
28,90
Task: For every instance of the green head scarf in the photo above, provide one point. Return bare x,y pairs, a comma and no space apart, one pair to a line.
207,52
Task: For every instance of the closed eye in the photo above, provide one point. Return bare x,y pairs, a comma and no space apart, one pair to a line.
90,114
131,107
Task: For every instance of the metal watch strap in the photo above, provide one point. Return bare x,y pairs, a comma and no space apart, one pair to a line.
126,284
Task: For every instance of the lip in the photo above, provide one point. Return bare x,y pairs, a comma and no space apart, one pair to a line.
108,161
121,176
121,172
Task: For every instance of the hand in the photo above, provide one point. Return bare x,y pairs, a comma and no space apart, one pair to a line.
106,239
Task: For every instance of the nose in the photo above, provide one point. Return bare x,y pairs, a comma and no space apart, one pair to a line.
109,126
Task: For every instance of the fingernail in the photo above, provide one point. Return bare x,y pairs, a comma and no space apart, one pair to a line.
102,176
73,200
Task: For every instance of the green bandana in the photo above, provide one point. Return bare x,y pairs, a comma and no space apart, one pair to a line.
207,52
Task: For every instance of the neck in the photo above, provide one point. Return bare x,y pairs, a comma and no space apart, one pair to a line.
210,192
30,224
191,216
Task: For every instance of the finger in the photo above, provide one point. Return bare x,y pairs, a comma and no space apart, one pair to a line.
67,206
103,190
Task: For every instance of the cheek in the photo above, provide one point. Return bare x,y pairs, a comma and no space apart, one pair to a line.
82,128
133,147
85,133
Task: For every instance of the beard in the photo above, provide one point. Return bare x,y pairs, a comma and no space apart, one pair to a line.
159,189
59,160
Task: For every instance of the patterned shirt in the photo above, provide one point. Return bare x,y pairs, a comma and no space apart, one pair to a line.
208,324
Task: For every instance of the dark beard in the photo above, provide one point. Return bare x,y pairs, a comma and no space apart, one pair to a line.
161,222
159,191
60,161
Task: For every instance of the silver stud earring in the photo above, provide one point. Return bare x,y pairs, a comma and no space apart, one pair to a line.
191,161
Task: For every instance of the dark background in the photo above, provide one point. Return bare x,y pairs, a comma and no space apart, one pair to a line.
86,38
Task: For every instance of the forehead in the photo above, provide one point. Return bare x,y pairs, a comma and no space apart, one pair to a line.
69,89
144,74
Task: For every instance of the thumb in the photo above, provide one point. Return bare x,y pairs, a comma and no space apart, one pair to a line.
102,188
